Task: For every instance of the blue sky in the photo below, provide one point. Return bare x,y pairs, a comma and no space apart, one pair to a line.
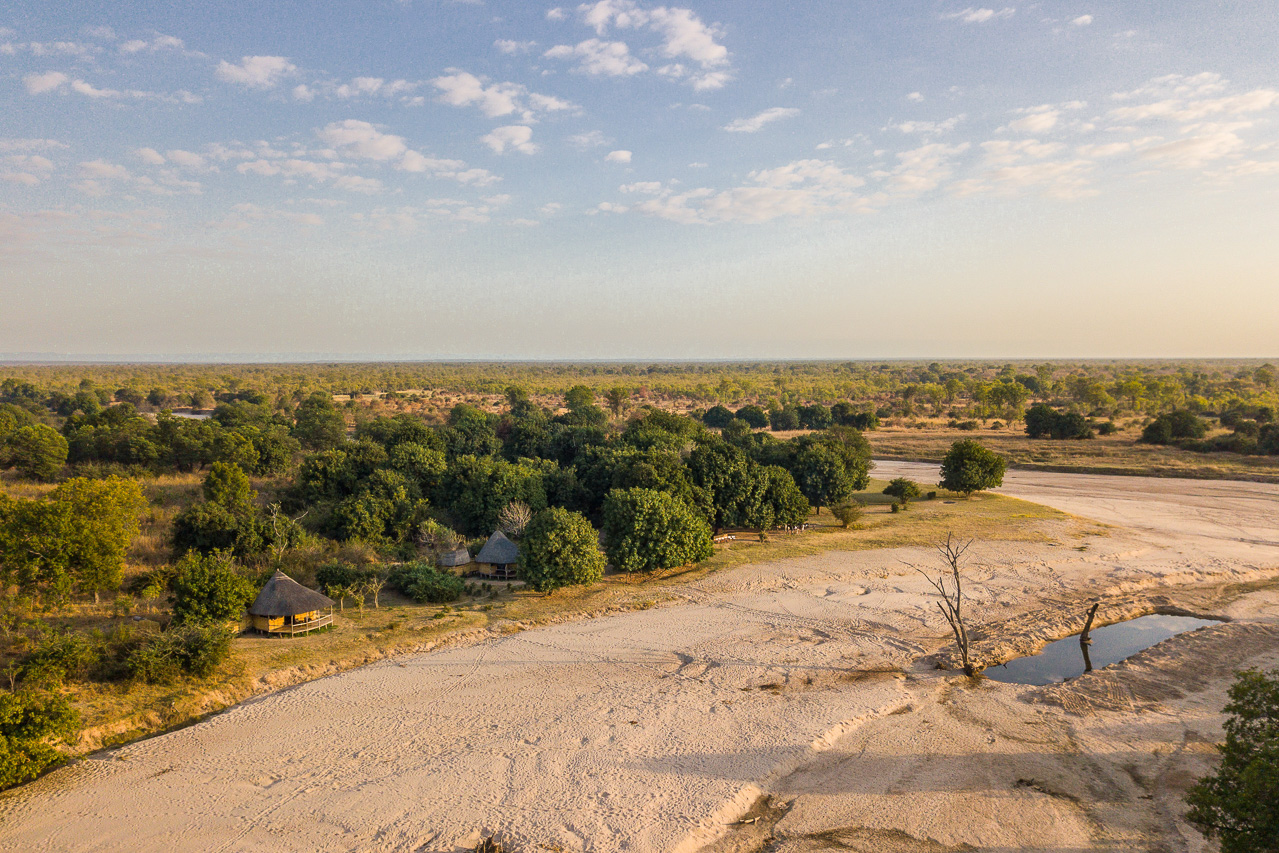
623,179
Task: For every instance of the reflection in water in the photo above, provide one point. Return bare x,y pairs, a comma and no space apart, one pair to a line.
1068,658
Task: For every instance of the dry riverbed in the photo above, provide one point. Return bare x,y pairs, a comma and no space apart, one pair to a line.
800,695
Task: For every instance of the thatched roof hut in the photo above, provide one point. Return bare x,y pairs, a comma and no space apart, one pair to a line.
284,606
455,558
499,557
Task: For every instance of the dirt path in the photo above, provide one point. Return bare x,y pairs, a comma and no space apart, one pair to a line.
656,730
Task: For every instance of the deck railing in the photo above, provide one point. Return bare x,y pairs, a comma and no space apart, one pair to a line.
304,627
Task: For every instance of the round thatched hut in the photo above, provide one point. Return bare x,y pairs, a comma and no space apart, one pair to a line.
284,606
499,557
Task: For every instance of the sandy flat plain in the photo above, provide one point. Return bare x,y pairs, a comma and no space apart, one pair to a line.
789,706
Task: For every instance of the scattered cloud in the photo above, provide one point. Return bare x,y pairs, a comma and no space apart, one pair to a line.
756,123
13,144
101,32
1042,118
589,139
915,97
1082,21
256,72
604,58
152,45
463,89
927,128
515,137
979,16
38,84
509,46
618,157
691,46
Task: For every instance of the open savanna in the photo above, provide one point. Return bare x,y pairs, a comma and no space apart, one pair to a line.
1121,453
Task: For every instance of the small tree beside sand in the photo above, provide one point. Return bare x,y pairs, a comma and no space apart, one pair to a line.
952,597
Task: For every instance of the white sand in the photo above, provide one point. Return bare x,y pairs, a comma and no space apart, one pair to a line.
653,731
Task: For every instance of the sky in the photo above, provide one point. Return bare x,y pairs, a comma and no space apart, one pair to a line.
627,180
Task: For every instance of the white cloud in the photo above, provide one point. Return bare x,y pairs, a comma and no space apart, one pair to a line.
26,169
589,139
257,72
643,187
606,58
38,84
160,42
618,157
979,16
509,46
1082,20
516,137
463,89
559,13
757,122
927,128
83,88
361,139
608,207
923,168
804,188
684,38
150,156
104,33
304,93
186,159
1042,118
1212,142
915,96
103,170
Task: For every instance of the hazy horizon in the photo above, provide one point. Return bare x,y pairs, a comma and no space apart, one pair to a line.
626,181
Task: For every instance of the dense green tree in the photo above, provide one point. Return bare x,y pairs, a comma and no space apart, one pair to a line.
470,432
37,451
647,530
815,416
968,467
754,416
210,588
718,417
475,489
784,502
734,484
560,548
75,539
229,486
784,419
318,424
1239,803
822,476
1043,421
30,724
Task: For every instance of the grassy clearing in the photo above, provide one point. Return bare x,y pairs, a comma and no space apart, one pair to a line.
1114,454
114,714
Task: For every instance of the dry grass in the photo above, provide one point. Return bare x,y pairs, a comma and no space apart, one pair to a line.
1113,454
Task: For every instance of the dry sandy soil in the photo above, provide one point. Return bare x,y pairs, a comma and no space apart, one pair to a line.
791,706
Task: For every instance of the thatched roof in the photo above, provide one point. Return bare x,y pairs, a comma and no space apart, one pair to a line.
498,551
459,557
283,596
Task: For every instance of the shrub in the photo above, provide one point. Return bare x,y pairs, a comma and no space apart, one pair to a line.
425,584
849,513
646,530
560,548
784,419
1107,428
904,489
1175,425
968,467
28,722
207,588
1240,802
56,658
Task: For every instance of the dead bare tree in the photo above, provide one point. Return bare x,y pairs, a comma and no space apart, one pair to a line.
952,597
1085,640
514,517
